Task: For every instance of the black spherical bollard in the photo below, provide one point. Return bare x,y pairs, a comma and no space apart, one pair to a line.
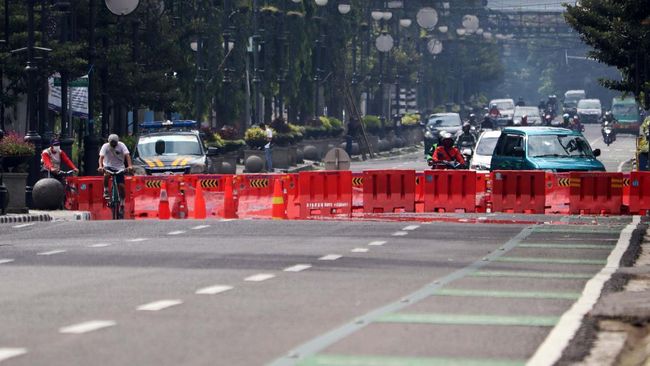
226,168
311,153
254,164
48,194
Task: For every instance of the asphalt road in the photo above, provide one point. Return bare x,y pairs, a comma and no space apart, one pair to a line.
613,156
284,293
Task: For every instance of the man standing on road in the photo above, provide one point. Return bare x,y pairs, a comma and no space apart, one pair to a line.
267,148
111,158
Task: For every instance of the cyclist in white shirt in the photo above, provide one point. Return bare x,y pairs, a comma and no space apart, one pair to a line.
112,156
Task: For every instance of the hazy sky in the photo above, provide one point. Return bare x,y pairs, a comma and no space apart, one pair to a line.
551,5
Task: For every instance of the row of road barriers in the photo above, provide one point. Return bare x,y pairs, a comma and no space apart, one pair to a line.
340,194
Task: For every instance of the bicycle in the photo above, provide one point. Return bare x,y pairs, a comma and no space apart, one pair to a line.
62,177
114,201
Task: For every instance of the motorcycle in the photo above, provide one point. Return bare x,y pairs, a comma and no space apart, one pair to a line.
446,165
609,135
548,119
579,127
467,149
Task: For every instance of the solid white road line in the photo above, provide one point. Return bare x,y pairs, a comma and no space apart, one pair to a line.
376,243
330,257
213,290
259,277
411,227
136,240
6,260
7,353
551,350
400,233
86,327
297,268
52,252
99,245
23,225
199,227
359,250
159,305
177,232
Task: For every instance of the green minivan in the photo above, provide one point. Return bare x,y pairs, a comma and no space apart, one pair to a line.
544,148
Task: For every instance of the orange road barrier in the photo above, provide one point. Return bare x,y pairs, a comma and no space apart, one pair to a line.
519,191
388,191
639,192
163,206
450,190
325,194
596,193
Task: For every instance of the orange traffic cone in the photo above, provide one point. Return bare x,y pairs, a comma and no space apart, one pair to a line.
199,202
179,210
279,210
163,206
229,204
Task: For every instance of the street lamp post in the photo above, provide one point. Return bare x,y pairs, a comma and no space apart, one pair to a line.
318,44
91,143
197,46
66,133
32,135
384,44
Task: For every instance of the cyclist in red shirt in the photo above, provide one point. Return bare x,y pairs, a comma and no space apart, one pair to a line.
52,157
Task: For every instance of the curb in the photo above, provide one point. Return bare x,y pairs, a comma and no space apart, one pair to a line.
24,218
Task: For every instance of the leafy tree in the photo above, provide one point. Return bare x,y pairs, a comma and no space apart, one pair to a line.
617,32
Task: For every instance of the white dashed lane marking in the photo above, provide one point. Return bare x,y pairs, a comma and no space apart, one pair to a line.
177,232
213,290
297,268
6,260
330,257
22,225
86,327
359,250
136,240
159,305
99,245
7,353
200,227
376,243
411,227
400,233
259,277
52,252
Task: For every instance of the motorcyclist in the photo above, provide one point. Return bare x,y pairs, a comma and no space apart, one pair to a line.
466,138
494,111
541,105
51,159
488,123
565,120
608,121
520,102
472,119
524,120
575,124
446,152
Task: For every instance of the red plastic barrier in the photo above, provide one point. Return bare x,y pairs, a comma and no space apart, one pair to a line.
420,192
255,192
482,181
90,197
557,193
326,193
639,193
596,193
357,191
388,191
518,191
450,190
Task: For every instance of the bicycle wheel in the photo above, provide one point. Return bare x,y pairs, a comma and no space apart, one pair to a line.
115,201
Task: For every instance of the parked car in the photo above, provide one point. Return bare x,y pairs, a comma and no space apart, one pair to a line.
484,148
437,123
544,148
532,113
589,110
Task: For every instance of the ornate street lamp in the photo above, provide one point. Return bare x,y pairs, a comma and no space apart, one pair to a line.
317,71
